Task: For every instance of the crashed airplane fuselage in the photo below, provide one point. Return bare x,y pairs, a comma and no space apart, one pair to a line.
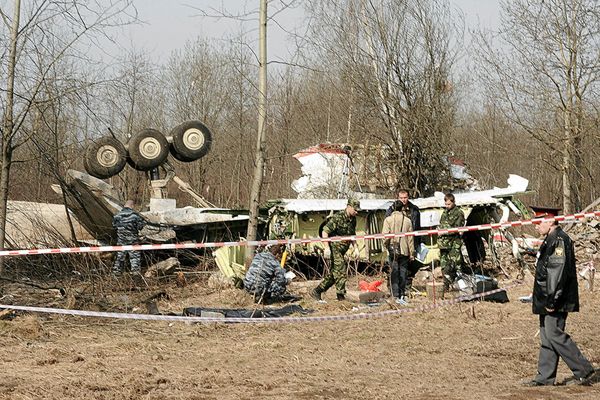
325,167
304,218
95,202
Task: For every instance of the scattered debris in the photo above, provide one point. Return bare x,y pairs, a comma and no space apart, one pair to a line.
163,268
180,279
245,313
587,273
7,314
365,297
152,308
94,203
218,281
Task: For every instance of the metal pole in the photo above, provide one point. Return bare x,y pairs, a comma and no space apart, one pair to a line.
432,271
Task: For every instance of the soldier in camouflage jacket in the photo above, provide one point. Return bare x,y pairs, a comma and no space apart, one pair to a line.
450,244
128,224
343,223
265,278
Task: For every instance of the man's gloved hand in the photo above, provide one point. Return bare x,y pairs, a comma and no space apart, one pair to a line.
327,253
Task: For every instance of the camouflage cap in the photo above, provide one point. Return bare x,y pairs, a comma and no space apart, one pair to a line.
355,203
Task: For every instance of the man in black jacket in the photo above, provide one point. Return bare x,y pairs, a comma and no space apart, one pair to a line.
555,294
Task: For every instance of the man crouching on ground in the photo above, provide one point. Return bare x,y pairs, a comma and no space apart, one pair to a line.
265,278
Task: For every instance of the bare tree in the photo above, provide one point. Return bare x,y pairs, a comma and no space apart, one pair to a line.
259,156
398,56
543,67
42,33
199,83
259,161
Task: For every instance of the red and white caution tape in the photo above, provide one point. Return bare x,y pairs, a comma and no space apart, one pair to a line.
178,318
173,246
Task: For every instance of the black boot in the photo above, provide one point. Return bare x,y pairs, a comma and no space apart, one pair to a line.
341,297
446,289
316,294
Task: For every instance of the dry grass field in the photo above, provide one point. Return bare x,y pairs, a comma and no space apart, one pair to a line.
475,350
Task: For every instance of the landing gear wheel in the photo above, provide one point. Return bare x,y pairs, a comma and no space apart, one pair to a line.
105,157
148,149
191,141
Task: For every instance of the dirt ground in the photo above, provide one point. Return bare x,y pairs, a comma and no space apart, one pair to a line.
476,350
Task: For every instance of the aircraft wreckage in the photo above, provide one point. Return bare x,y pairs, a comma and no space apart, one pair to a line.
326,168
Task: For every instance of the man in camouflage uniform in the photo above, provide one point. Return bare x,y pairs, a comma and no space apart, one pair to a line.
343,223
128,224
265,278
450,244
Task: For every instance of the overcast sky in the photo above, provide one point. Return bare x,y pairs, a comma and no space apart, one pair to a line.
168,24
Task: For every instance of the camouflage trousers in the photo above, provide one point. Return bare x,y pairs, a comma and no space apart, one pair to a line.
451,263
135,259
337,270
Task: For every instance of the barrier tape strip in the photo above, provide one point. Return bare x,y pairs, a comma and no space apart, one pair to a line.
178,318
173,246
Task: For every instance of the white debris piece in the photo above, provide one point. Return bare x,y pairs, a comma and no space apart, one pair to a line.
322,172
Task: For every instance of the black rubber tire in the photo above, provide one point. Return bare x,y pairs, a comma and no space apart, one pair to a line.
147,149
105,157
191,141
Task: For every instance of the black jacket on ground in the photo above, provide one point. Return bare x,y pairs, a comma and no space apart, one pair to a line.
555,284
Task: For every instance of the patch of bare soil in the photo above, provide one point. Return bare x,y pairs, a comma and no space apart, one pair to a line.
475,350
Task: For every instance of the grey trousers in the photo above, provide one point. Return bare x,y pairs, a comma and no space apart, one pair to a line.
555,344
135,258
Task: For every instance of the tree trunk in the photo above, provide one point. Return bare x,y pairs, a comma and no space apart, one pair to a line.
566,164
8,127
259,162
4,185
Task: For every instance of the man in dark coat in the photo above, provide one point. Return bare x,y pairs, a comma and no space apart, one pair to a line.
555,294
